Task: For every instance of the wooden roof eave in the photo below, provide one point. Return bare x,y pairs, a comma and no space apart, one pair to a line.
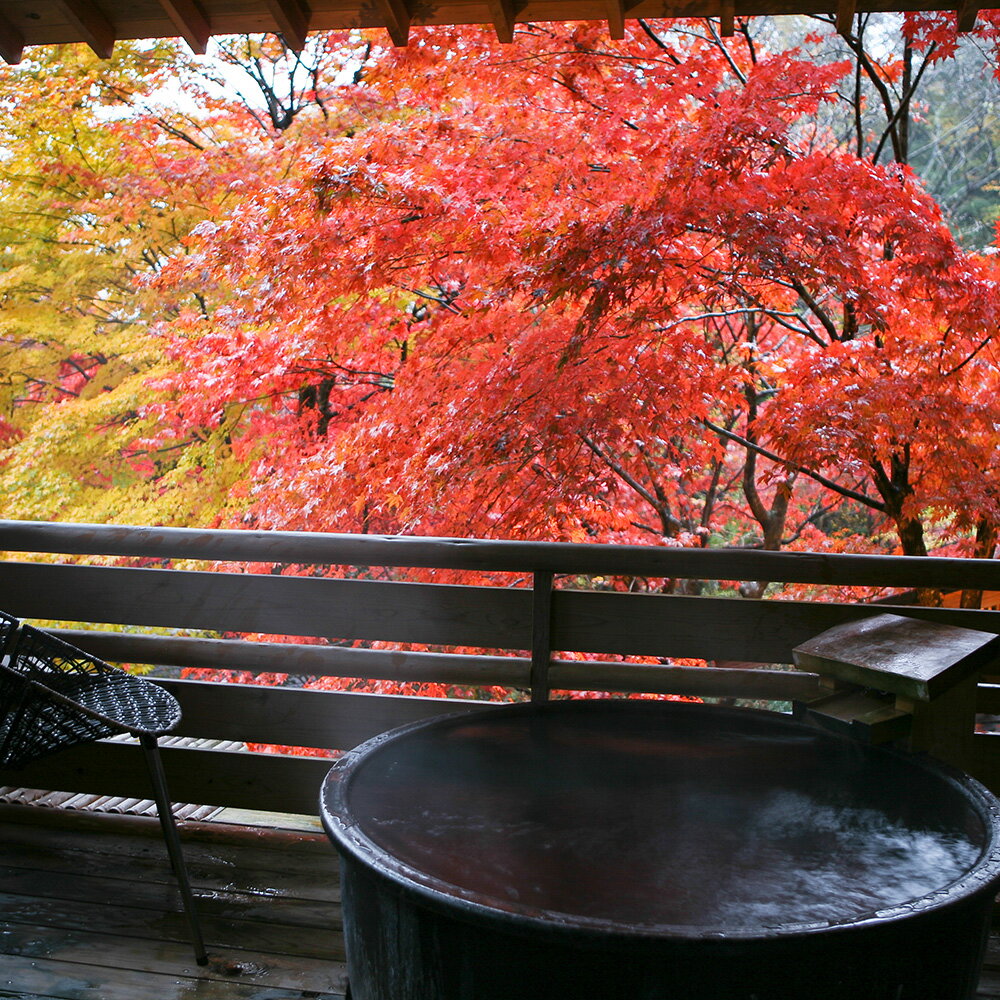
100,23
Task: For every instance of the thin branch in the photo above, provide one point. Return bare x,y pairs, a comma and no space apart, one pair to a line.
658,41
858,124
179,133
620,471
815,476
854,43
819,511
904,104
815,308
740,310
722,47
586,100
962,364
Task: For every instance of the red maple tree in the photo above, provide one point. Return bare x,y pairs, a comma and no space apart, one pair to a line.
580,290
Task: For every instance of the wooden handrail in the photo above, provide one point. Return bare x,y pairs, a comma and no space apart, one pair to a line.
313,548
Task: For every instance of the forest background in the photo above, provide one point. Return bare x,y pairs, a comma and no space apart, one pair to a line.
674,289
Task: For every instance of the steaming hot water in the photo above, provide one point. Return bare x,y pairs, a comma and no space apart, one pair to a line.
655,825
658,851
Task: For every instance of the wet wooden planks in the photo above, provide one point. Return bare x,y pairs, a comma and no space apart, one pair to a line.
89,911
989,982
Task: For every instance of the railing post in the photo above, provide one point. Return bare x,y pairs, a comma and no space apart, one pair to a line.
541,634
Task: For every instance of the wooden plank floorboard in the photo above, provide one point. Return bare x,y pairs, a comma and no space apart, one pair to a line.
308,875
989,981
69,981
82,950
228,904
115,921
89,911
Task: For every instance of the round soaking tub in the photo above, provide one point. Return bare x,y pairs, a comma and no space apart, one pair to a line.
596,850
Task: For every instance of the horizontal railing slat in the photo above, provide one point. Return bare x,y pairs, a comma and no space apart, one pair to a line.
988,699
202,777
715,628
330,720
437,614
445,668
697,682
295,658
309,548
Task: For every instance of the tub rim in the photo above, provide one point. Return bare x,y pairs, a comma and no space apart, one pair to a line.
343,829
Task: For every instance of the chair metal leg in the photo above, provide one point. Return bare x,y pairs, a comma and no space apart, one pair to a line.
173,842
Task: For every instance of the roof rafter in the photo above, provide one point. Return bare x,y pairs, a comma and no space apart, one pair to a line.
616,18
727,18
190,21
11,41
292,19
94,28
397,20
967,14
100,22
502,12
846,10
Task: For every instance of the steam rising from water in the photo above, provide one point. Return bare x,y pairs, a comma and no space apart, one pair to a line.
803,861
755,825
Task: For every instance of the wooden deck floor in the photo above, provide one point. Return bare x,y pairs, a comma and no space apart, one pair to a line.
88,911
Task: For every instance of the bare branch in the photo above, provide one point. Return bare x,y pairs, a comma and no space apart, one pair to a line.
815,476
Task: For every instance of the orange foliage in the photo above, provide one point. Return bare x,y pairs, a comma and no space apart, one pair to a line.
568,302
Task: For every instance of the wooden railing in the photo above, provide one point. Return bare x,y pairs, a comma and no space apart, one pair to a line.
529,621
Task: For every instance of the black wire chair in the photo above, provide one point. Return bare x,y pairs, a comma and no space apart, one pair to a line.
8,626
53,696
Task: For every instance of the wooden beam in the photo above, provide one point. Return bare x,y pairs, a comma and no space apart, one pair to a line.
94,28
484,617
311,660
845,16
190,21
233,545
292,20
11,42
616,18
397,20
541,635
502,13
727,18
967,14
455,668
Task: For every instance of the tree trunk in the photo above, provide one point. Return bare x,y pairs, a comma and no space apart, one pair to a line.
911,535
984,548
895,488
